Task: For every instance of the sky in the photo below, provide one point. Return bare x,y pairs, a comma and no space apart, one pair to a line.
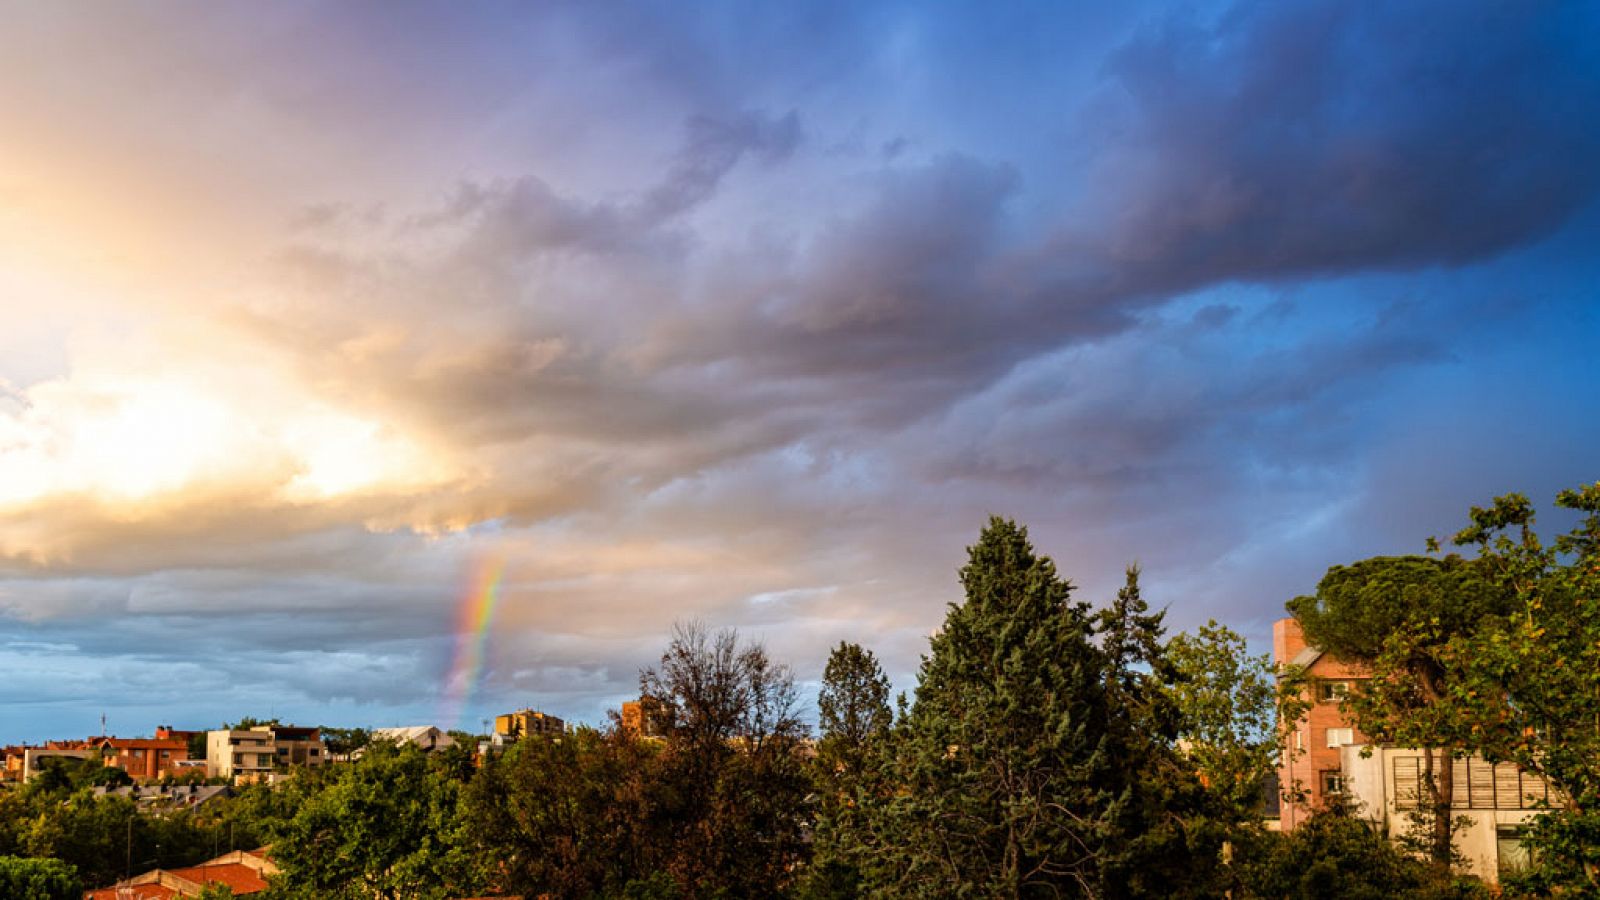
312,314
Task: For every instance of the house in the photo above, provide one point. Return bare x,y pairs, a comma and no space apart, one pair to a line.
168,796
33,757
1328,756
142,758
427,737
262,752
244,872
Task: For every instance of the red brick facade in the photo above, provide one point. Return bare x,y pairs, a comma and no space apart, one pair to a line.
1311,765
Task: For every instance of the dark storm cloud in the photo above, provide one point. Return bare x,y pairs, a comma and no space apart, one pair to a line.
1312,138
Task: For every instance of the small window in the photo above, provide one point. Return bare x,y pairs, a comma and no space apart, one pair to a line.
1299,740
1332,691
1332,782
312,752
1512,854
1338,737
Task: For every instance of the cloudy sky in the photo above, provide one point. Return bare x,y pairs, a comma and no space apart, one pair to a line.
752,313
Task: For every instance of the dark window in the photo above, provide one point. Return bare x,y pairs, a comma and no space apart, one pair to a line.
1332,691
1332,782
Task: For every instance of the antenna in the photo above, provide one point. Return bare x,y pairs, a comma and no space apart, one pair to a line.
102,724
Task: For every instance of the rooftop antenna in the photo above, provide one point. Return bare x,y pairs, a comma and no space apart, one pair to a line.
102,724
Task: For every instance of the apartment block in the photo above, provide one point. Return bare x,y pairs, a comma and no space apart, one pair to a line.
526,722
262,752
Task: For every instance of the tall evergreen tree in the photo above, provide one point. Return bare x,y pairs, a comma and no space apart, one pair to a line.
1023,769
854,715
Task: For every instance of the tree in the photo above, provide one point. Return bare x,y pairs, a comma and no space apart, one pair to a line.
1019,770
854,715
731,783
385,827
38,879
1228,704
853,705
1335,855
1530,676
1397,616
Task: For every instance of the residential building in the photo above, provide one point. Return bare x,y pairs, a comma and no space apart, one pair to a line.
33,757
428,737
143,759
1311,769
642,718
168,796
524,722
1329,756
1492,803
261,752
243,872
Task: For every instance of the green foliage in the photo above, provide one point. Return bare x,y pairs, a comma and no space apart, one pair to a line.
569,817
1227,703
855,718
716,808
1398,616
386,826
1531,677
853,705
1036,759
38,879
344,741
1337,856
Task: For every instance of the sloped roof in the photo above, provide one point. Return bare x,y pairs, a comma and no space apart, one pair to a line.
1306,657
241,878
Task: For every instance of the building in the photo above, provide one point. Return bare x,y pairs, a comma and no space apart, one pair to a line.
524,722
243,872
144,759
1328,756
1313,767
166,797
642,718
1493,803
428,737
33,758
261,752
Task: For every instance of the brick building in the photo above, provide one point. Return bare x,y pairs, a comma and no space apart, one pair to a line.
1314,764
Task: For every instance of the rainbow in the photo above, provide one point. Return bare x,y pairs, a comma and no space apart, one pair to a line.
475,616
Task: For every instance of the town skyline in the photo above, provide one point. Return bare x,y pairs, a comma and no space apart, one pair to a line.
311,315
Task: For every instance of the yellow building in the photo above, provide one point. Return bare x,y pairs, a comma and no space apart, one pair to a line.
512,726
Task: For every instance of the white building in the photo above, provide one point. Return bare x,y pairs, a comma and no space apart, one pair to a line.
1495,801
428,737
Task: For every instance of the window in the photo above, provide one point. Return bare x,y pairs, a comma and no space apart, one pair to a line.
1332,691
1338,737
238,759
1332,782
283,751
312,752
1512,854
1299,740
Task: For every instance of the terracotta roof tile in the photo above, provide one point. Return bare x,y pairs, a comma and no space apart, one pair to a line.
241,878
